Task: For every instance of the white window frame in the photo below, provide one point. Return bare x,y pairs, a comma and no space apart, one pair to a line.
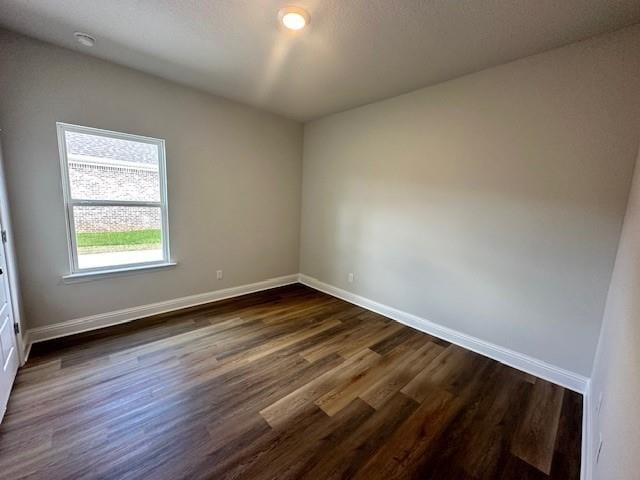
69,202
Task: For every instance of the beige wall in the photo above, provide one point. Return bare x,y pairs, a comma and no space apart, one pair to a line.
491,204
234,179
616,372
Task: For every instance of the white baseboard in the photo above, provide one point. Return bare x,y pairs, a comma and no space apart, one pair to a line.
26,347
526,363
93,322
572,381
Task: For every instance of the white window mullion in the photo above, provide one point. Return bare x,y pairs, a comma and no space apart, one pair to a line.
113,203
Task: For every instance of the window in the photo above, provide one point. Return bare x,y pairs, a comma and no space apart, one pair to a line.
115,199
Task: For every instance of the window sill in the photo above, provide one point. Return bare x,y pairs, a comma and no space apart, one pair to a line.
115,272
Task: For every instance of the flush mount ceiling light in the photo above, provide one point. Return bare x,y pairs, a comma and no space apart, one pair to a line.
85,39
294,18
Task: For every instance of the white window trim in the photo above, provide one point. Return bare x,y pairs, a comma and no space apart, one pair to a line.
69,203
114,272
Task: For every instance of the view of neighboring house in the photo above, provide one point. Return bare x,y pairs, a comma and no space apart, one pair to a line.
109,169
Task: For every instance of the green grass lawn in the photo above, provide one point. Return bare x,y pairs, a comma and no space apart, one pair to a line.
133,237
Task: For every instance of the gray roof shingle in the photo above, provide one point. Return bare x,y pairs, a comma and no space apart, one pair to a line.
111,148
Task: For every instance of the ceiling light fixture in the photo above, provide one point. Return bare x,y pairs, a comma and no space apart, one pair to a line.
294,18
85,39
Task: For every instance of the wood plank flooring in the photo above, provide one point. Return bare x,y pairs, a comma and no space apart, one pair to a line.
284,384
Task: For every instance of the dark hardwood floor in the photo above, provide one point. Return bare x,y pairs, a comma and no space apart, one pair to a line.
283,384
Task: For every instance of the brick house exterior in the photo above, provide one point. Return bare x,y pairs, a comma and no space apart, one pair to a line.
109,169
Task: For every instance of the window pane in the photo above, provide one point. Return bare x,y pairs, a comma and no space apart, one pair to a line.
111,236
104,168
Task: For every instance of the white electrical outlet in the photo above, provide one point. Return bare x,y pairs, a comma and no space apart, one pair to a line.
350,278
219,274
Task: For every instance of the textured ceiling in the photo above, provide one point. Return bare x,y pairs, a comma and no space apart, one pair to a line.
354,52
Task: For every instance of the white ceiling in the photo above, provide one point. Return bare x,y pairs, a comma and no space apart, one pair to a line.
354,52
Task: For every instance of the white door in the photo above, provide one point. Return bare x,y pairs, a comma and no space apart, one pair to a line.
8,346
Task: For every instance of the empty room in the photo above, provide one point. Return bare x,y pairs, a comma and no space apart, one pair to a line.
365,239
